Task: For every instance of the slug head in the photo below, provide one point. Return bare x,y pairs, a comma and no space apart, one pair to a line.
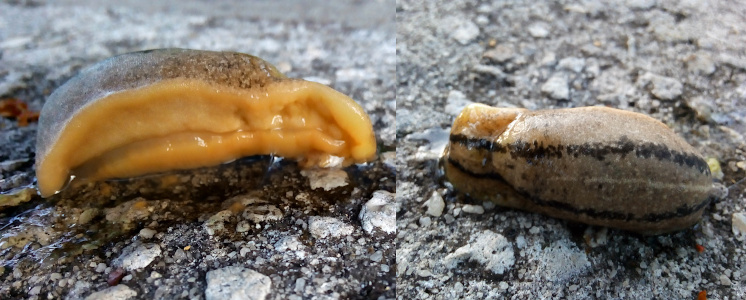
484,122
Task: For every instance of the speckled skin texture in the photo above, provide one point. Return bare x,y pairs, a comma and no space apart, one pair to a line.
132,70
594,165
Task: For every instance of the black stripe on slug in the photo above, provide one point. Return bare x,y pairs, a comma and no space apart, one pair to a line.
681,211
476,143
624,146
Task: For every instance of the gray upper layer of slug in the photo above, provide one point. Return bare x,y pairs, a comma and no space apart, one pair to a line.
136,69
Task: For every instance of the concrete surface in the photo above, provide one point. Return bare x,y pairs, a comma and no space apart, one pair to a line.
412,65
681,62
172,236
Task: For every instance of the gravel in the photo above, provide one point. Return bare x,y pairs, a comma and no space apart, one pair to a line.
679,62
166,236
235,283
263,227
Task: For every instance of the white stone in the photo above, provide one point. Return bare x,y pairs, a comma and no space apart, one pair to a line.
147,233
488,248
100,267
738,221
117,292
561,261
664,88
216,222
435,205
35,290
379,212
55,276
724,280
291,243
243,226
465,32
236,283
538,30
327,179
376,256
473,209
557,87
575,64
321,227
300,285
137,256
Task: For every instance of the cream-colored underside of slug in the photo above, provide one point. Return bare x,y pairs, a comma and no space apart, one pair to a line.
187,123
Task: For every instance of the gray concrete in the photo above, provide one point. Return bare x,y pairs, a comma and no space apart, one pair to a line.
681,62
249,214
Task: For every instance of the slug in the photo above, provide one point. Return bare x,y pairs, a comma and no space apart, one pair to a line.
594,165
153,111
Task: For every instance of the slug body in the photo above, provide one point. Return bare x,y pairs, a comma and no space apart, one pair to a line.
594,165
157,110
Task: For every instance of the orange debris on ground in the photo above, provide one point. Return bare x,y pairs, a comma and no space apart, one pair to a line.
702,295
700,248
14,108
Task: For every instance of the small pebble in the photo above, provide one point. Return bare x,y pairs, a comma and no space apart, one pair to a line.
101,267
379,212
557,87
376,256
664,88
327,179
473,209
449,219
179,254
739,224
300,285
147,233
35,290
465,32
321,227
55,276
435,205
236,282
724,280
538,30
115,277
